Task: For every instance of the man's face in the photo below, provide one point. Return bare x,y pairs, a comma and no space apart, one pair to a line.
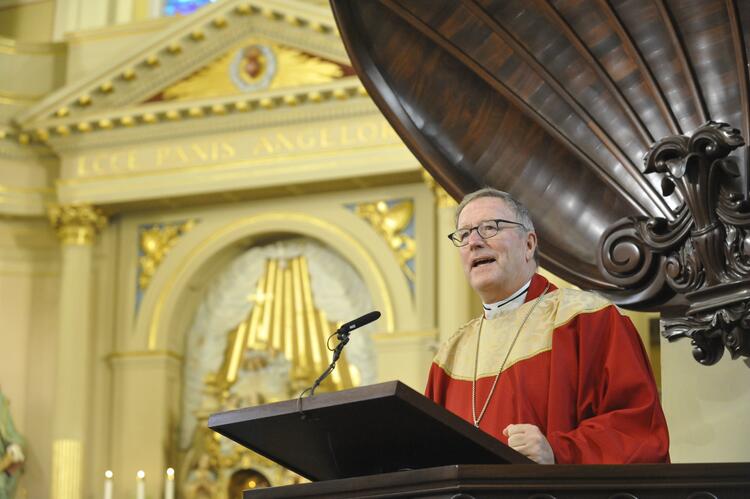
498,266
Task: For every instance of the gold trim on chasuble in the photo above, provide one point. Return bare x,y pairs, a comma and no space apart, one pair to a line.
456,356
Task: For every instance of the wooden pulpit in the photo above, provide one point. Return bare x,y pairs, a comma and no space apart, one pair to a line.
387,440
369,430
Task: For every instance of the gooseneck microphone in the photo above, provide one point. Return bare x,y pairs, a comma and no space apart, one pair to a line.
342,334
350,326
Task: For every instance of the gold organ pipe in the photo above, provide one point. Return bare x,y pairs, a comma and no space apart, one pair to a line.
252,340
237,350
277,340
289,343
264,329
311,316
305,356
285,320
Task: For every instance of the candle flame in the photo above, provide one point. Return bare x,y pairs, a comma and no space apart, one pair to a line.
108,474
141,474
170,473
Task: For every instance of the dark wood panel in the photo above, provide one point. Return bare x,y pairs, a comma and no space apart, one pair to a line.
651,31
479,131
655,481
705,32
555,101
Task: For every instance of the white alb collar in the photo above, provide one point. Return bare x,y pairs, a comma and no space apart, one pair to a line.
515,300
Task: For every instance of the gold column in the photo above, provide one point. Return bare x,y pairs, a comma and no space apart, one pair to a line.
77,227
454,292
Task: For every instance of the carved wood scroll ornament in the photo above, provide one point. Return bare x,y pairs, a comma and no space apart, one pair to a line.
703,255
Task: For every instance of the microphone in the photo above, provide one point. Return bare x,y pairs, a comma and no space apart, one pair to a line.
342,334
350,326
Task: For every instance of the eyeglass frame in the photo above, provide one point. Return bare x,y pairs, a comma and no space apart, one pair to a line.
476,227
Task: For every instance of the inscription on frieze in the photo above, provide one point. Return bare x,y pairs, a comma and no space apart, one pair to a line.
229,149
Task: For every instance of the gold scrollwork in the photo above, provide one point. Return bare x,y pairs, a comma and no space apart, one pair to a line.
391,220
155,242
77,224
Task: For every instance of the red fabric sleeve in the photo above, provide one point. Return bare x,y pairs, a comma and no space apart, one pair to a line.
429,390
435,389
619,417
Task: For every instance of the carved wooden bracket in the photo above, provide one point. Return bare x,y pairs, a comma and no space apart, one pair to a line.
703,255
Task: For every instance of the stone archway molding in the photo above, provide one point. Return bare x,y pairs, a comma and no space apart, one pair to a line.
161,304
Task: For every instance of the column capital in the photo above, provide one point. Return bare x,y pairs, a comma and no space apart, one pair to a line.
77,224
442,198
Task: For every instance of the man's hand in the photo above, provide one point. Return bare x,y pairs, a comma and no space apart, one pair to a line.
529,441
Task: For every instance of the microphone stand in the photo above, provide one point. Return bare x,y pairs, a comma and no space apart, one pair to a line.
343,337
343,340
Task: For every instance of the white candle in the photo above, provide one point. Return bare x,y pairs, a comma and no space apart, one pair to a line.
169,484
108,484
140,485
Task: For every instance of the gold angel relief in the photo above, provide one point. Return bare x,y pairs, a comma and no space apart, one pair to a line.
391,220
155,243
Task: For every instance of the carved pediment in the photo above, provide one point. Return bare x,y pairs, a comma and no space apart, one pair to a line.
185,48
214,86
254,65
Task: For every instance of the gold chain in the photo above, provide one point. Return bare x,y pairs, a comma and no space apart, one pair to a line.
502,366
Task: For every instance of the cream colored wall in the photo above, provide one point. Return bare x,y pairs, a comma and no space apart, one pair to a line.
105,296
707,408
455,299
29,275
145,392
29,21
91,50
25,184
36,69
405,356
76,15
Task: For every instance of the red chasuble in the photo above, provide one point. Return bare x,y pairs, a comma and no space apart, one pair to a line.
578,371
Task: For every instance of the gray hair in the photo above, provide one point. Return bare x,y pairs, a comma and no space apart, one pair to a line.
522,213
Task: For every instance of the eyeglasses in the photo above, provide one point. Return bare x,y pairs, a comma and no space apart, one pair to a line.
486,229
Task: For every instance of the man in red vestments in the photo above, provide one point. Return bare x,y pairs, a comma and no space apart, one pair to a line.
559,375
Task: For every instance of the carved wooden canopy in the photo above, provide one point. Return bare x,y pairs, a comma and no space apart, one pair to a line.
597,115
